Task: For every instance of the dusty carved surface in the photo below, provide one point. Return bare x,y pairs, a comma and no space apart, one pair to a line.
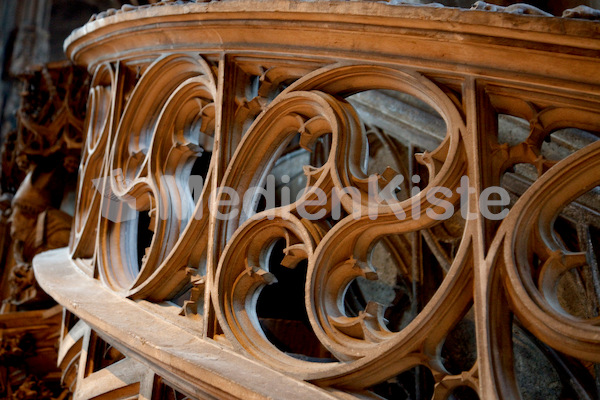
362,284
39,164
28,355
40,161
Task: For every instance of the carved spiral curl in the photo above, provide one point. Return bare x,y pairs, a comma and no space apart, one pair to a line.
530,225
97,128
149,166
312,106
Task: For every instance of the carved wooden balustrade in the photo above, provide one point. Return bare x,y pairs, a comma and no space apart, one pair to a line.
445,243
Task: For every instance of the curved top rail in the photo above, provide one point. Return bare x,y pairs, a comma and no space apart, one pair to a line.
483,43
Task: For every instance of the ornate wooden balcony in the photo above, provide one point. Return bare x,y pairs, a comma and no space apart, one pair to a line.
443,282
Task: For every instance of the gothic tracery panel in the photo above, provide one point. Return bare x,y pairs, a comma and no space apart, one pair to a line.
364,219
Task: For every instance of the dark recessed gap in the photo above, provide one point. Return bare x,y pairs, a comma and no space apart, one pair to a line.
164,391
102,354
198,175
144,235
414,384
463,393
459,351
282,312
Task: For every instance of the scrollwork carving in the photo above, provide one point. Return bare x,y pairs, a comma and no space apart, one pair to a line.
46,151
360,282
148,172
342,255
544,317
